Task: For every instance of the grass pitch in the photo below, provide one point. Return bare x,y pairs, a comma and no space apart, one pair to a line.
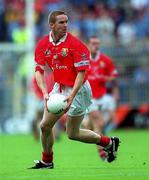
74,160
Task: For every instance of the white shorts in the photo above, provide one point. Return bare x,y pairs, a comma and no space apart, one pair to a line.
105,103
81,101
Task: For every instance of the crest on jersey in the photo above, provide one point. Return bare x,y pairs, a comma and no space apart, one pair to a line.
102,64
64,52
47,52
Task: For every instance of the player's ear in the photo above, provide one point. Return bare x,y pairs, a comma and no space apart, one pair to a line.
51,25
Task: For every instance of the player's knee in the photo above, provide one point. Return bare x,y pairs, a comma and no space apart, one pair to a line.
44,128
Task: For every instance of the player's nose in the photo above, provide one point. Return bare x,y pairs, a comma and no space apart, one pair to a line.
65,24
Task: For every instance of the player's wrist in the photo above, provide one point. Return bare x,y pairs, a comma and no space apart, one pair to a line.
72,95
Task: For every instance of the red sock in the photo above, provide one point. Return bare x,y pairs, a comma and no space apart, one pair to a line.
47,157
104,141
102,153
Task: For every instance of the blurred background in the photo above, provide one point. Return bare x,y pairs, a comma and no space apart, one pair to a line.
123,28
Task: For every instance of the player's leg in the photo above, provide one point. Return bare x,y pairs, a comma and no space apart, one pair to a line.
46,125
47,139
84,135
75,116
47,136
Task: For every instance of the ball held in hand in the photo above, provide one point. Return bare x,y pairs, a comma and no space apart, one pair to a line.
56,103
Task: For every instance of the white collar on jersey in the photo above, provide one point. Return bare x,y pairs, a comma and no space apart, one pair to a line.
96,58
60,40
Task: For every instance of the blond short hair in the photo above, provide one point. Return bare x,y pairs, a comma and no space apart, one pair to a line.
52,16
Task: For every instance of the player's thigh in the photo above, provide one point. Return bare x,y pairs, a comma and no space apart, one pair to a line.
49,119
73,123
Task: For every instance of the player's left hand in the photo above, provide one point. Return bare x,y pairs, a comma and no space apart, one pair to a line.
69,100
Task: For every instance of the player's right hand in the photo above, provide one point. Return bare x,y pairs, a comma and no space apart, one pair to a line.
69,100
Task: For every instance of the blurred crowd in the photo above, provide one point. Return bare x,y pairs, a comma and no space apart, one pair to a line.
119,20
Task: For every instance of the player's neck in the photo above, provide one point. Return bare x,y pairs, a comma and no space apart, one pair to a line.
56,37
94,55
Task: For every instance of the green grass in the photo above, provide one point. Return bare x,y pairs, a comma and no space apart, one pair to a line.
74,160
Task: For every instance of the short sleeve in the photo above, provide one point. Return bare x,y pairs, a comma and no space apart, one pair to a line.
39,58
81,56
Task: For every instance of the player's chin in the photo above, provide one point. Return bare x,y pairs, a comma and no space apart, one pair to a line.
63,33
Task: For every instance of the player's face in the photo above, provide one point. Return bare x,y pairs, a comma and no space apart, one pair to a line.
59,28
94,45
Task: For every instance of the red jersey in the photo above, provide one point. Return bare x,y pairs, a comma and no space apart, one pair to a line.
65,58
100,67
49,83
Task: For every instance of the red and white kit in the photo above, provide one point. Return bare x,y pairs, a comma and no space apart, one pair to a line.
66,57
100,68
